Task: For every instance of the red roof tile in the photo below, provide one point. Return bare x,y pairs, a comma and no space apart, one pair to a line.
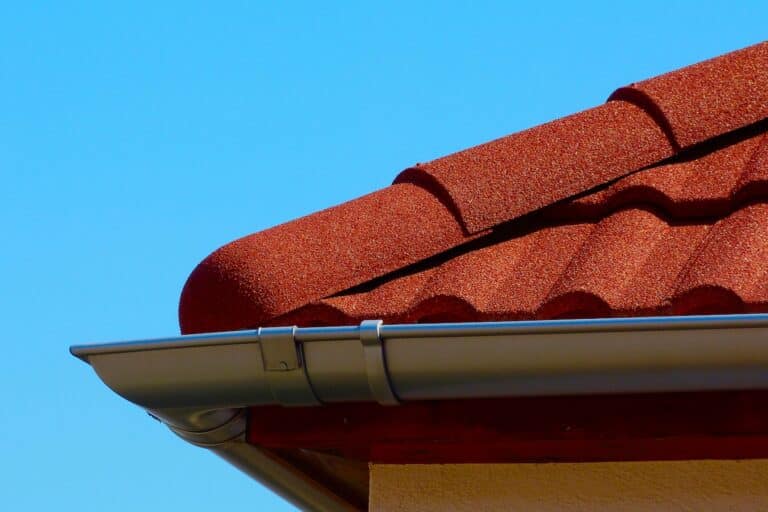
707,99
632,262
596,214
523,172
712,183
249,281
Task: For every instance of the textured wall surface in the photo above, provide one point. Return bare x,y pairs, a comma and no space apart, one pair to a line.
678,485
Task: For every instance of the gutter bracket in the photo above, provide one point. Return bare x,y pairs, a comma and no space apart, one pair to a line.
284,367
376,363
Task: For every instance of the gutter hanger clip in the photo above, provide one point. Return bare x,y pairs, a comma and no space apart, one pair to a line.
284,367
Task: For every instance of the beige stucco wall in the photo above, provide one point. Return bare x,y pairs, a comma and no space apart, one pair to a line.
625,486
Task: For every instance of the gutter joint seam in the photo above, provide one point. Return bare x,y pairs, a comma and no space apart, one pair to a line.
376,363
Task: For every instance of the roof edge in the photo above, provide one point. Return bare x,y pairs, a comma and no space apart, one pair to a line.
178,380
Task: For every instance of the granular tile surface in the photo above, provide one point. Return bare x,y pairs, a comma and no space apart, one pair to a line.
654,203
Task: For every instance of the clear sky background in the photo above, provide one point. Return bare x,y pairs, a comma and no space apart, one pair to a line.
135,140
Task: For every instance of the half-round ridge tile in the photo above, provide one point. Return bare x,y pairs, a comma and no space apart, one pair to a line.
509,177
251,280
707,99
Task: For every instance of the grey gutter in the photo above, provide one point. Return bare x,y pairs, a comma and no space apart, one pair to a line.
200,385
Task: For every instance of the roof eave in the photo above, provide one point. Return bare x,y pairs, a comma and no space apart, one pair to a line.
199,385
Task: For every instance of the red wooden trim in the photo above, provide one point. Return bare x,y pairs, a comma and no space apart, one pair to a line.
531,429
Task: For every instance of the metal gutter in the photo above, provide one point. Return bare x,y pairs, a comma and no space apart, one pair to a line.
200,385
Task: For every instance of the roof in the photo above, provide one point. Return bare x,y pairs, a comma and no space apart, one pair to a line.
650,204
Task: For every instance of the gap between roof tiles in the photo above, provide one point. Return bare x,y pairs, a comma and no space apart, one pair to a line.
699,271
548,217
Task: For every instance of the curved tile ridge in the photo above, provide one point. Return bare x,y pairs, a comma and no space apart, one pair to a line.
713,97
733,261
501,180
251,280
711,184
632,262
754,181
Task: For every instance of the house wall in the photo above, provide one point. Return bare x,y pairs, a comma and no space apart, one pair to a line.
626,486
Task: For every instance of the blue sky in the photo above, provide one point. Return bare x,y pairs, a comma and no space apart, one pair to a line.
135,140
